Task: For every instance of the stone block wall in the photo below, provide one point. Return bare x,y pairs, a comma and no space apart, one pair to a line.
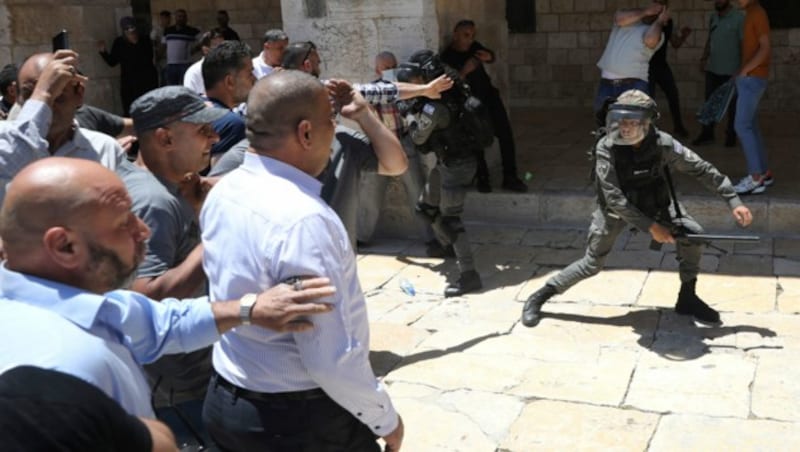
349,33
556,65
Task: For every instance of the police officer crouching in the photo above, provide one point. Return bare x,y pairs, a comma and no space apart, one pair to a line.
632,165
455,128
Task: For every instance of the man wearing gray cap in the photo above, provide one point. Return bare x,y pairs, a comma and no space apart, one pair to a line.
175,139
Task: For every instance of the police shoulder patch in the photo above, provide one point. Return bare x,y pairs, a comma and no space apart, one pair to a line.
429,109
603,168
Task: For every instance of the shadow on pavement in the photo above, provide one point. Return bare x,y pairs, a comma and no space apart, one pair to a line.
384,362
673,337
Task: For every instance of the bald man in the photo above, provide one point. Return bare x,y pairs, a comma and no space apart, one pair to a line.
71,243
265,381
50,91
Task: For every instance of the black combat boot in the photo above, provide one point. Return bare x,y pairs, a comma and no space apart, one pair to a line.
468,281
531,312
690,304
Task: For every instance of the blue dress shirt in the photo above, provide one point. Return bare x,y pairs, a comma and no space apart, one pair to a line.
102,339
263,223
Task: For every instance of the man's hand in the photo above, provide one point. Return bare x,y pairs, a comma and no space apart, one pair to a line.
126,142
395,439
663,17
661,233
194,189
434,89
59,73
654,9
483,55
282,307
471,64
101,46
685,32
743,216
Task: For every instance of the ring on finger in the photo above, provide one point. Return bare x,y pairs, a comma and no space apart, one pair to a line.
298,284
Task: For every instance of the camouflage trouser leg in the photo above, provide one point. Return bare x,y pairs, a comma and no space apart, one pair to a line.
447,189
603,232
688,254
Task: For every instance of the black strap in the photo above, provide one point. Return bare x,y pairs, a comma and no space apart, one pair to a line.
668,177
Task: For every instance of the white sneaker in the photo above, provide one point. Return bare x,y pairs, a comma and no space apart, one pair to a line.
749,186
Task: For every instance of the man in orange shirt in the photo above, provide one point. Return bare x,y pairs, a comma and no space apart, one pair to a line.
751,82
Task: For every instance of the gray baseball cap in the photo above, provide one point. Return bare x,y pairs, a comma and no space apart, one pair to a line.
162,106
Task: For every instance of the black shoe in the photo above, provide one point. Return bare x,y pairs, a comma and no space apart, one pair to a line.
730,140
469,281
531,312
514,183
690,304
435,249
703,140
482,184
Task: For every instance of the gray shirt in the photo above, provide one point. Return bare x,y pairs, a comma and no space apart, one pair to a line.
626,55
174,234
351,153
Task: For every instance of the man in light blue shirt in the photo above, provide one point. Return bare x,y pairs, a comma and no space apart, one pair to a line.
70,241
263,223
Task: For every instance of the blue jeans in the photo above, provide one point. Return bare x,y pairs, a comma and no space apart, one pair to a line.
606,90
750,90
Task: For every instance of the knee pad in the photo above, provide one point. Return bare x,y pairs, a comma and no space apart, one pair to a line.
452,227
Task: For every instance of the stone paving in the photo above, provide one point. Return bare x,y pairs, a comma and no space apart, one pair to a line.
610,367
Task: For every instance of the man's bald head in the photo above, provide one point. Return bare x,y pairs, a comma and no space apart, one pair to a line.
52,192
29,73
277,103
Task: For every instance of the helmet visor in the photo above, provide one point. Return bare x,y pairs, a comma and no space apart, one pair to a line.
627,126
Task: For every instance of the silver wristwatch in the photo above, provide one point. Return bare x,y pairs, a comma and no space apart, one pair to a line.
246,307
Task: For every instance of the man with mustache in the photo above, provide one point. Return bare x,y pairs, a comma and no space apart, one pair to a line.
71,242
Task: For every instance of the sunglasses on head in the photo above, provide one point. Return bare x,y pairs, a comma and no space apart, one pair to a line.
311,48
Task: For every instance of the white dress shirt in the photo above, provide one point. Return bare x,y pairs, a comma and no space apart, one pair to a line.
260,68
263,223
193,78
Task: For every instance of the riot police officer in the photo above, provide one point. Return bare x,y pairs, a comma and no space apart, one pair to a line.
632,166
456,129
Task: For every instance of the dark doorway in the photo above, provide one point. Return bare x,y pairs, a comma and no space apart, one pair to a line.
142,14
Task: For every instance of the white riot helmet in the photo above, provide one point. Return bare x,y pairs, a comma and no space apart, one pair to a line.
630,117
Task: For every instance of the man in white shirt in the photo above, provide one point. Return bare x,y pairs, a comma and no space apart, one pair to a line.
275,42
193,78
265,222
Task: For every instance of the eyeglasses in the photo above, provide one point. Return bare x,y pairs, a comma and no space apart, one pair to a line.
311,48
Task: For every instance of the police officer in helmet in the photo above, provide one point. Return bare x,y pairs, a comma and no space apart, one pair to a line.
633,161
455,129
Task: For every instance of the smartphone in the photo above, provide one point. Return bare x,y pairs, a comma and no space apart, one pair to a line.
61,41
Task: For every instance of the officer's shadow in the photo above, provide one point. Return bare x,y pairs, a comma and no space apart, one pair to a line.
673,336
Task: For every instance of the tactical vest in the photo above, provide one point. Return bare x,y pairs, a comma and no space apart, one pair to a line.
465,136
640,173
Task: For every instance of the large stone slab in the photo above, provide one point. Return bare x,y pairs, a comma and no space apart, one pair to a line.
715,384
375,270
775,389
789,294
562,426
738,294
602,380
686,432
431,427
389,343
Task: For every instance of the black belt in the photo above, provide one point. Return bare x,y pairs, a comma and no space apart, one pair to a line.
308,394
619,81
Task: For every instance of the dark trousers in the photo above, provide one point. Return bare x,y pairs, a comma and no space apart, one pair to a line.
714,81
282,424
175,73
661,75
505,137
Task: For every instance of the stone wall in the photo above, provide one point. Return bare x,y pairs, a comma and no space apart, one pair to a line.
556,65
349,33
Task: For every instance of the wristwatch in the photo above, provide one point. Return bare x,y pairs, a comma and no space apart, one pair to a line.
246,307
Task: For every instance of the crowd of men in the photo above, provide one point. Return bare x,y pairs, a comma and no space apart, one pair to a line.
194,259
